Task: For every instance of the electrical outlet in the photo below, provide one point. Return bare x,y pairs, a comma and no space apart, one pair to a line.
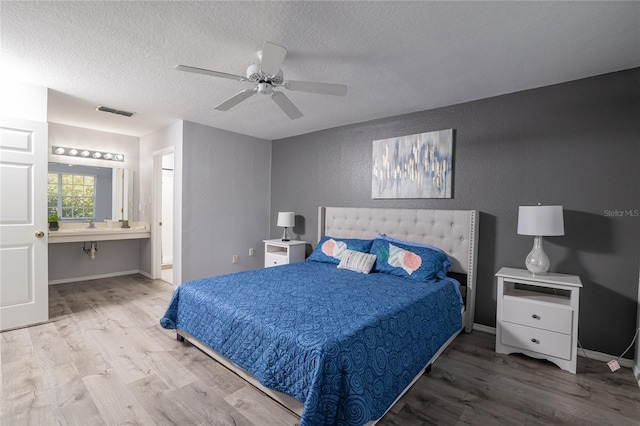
251,251
613,365
235,258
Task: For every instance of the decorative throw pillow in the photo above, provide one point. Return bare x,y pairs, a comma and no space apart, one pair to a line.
417,263
330,250
357,261
445,265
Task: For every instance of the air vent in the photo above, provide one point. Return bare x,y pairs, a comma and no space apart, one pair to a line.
114,111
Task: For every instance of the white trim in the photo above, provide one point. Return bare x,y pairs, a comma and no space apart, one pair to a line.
484,328
96,277
636,373
145,274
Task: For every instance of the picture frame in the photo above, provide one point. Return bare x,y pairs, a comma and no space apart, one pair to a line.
413,166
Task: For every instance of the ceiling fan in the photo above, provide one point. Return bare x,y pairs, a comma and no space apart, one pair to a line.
266,75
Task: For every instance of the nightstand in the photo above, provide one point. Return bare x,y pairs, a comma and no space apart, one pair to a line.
278,252
537,315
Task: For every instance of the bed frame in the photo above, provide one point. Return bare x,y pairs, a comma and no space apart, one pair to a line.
453,231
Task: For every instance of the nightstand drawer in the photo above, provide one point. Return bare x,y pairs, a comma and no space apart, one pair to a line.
536,340
536,314
275,259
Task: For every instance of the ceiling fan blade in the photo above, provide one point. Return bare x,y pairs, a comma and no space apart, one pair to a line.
321,88
235,100
272,57
209,72
286,105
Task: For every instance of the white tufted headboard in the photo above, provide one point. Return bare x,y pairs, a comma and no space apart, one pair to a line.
453,231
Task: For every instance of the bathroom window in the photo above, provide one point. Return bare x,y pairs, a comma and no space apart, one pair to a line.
71,196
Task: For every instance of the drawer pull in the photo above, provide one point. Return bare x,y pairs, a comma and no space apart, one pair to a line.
534,340
534,316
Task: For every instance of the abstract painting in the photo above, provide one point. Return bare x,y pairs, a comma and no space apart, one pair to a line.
415,166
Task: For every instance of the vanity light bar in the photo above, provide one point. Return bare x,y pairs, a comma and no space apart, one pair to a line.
86,153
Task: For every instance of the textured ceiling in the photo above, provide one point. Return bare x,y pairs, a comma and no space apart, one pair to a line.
395,57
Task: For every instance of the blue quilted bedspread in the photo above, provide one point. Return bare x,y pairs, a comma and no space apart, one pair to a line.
342,343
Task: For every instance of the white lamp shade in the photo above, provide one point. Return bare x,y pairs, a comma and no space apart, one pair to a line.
286,219
540,221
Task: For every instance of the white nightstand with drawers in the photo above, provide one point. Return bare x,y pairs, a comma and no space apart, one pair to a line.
278,252
537,315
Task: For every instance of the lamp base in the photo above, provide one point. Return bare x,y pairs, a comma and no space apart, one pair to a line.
537,261
285,235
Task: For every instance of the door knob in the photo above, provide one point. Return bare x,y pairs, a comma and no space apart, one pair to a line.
39,234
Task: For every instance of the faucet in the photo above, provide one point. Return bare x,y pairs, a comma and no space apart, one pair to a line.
92,224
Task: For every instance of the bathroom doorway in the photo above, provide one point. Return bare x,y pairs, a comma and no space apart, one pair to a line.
164,215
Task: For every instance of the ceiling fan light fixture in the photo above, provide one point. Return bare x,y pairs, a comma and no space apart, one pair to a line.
265,89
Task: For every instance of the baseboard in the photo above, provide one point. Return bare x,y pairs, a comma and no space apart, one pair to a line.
95,277
484,328
598,356
636,373
145,274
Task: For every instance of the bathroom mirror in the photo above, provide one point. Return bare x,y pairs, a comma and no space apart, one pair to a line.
113,189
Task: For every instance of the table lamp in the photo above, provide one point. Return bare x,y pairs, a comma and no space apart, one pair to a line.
286,220
539,221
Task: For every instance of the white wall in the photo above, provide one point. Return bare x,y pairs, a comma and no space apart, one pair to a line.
226,192
24,101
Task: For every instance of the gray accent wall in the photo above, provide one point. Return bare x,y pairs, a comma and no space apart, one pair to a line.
576,144
226,183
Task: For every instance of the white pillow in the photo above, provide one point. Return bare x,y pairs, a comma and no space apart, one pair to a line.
357,261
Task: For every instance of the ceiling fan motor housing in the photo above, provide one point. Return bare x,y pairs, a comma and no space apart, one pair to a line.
253,72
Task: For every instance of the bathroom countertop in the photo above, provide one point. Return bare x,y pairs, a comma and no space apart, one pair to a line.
79,232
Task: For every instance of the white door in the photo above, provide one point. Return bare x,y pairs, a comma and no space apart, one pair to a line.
24,297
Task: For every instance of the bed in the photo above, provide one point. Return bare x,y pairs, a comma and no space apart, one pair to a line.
332,345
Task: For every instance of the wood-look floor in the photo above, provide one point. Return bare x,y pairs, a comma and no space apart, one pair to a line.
104,359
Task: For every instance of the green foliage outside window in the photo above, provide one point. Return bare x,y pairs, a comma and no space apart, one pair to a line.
71,196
